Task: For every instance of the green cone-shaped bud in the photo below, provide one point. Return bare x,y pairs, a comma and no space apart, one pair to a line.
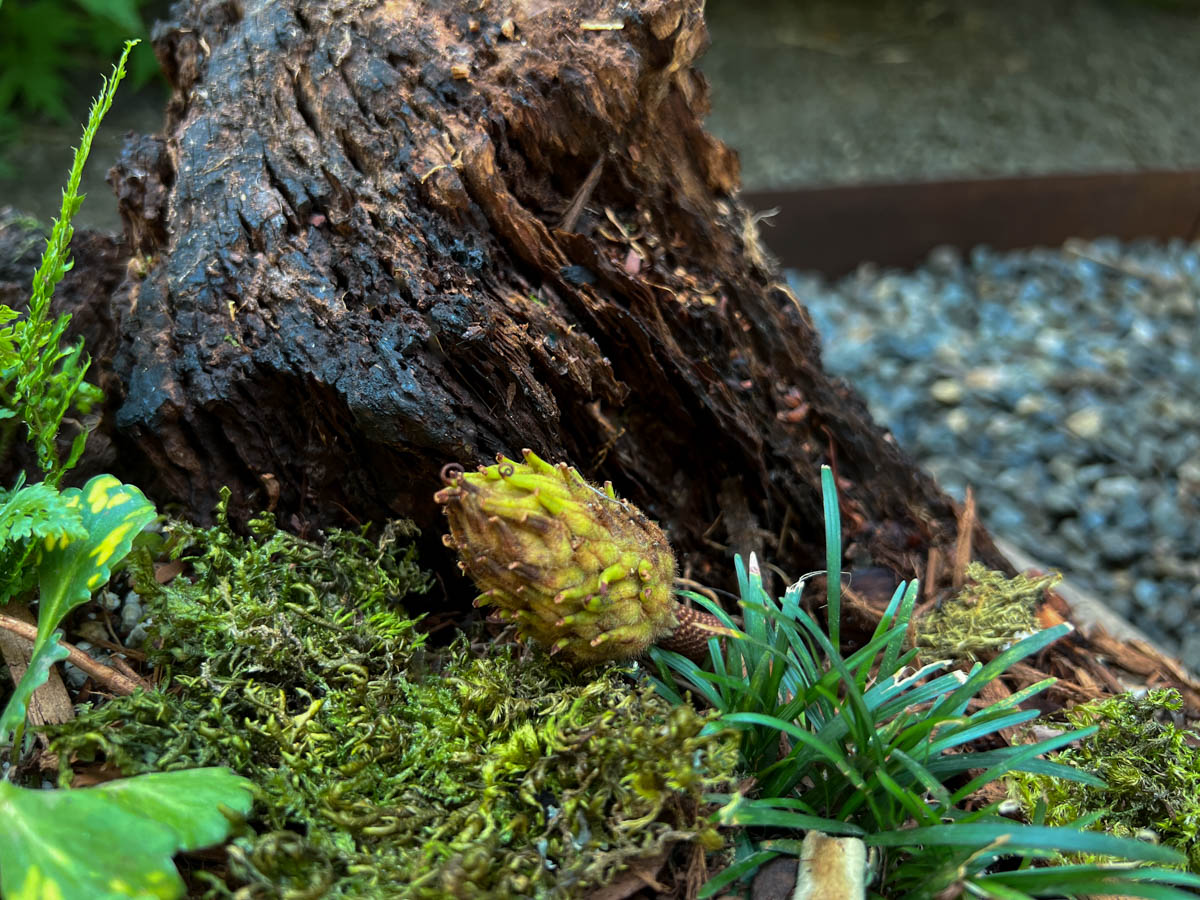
578,570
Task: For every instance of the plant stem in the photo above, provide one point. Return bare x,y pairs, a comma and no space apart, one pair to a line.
109,677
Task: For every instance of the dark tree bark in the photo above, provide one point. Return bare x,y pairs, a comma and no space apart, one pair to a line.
376,237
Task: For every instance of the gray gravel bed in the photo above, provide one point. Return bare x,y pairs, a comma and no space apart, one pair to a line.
1064,387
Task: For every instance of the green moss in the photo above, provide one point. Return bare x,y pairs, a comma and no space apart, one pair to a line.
988,614
385,767
1151,767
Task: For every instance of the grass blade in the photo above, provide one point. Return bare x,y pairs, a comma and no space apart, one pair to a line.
1034,838
735,872
833,554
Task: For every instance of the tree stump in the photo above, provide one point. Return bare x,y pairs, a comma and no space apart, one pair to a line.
377,237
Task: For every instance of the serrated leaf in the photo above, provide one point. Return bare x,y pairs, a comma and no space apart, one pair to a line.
112,514
116,840
38,511
38,670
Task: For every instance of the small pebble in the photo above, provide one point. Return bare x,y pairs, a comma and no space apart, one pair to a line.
137,635
131,612
1086,422
946,390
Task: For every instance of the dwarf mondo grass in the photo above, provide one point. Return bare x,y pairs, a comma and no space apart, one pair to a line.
872,745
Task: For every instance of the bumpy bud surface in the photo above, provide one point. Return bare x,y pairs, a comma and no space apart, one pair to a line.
578,570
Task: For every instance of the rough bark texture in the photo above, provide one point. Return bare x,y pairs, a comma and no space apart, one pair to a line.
377,237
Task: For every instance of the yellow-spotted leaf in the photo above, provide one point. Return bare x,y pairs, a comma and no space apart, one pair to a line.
116,840
69,570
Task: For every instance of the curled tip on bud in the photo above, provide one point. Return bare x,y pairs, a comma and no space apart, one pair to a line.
451,472
448,541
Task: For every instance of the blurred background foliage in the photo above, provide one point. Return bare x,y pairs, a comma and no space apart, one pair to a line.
49,49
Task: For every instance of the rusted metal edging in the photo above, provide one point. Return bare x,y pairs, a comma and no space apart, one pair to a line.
833,229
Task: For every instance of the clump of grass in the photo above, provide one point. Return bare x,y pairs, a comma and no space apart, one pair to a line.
865,746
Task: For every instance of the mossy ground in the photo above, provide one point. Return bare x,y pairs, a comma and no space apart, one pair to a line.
1151,767
386,767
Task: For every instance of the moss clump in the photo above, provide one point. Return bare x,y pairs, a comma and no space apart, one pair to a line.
991,612
387,768
1151,767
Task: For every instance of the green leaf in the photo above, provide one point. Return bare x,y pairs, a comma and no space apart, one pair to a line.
35,676
753,814
41,379
833,554
733,873
1014,837
35,512
116,840
29,515
112,514
1090,878
981,675
891,657
187,801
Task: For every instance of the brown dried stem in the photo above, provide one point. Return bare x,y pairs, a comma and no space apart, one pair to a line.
105,675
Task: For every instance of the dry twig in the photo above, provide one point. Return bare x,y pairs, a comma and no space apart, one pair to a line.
105,675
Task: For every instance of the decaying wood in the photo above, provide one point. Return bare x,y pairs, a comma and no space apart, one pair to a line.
375,237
